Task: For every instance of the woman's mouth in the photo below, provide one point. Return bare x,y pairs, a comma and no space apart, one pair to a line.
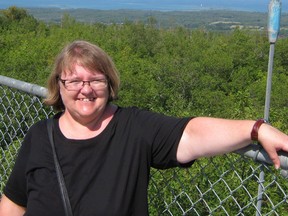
87,99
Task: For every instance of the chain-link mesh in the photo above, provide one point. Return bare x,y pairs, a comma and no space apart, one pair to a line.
224,185
18,111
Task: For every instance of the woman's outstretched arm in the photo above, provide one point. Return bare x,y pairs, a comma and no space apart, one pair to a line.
205,136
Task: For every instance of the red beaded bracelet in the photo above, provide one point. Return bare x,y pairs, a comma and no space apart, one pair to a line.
256,126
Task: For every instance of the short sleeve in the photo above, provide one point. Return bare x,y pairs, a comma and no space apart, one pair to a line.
164,133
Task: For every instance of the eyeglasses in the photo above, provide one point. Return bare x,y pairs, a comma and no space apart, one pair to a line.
76,85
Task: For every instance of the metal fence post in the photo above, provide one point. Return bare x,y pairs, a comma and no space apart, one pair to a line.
274,12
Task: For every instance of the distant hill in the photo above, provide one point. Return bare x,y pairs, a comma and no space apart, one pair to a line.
218,20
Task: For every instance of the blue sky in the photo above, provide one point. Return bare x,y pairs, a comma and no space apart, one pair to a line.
250,5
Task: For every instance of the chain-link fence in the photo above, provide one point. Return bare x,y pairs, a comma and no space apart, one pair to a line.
224,185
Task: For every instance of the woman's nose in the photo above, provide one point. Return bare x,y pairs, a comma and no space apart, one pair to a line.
86,88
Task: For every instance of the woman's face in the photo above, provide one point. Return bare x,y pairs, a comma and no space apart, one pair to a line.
88,102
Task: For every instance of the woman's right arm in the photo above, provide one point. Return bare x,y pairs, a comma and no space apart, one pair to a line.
9,208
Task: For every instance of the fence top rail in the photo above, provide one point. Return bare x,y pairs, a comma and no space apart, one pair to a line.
24,86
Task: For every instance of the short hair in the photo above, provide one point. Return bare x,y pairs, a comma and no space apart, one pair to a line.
87,55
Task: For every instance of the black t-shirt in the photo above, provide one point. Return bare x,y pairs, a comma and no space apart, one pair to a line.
105,175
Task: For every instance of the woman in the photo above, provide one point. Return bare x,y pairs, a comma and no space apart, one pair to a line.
105,151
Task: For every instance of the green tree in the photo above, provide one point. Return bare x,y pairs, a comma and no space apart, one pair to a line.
15,13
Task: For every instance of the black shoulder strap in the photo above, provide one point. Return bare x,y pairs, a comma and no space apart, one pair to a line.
64,193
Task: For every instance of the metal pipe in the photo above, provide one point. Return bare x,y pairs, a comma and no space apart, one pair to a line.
24,86
274,12
269,82
258,154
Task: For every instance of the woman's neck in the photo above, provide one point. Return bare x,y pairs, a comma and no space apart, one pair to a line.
75,129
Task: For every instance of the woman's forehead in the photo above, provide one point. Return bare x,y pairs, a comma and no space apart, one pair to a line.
78,71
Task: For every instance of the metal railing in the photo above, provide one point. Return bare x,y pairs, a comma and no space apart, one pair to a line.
223,185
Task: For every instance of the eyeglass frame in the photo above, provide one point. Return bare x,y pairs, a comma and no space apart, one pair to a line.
63,81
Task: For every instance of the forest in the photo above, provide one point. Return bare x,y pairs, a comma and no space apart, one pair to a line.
176,71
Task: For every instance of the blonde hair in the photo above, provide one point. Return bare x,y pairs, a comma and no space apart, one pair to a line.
88,56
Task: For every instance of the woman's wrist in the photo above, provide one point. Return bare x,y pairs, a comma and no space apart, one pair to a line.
255,129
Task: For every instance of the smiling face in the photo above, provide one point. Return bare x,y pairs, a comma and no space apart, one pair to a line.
93,60
86,104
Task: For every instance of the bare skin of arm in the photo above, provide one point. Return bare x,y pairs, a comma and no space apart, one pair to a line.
9,208
206,137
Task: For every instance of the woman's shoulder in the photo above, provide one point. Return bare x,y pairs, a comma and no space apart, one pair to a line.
130,110
139,115
40,125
